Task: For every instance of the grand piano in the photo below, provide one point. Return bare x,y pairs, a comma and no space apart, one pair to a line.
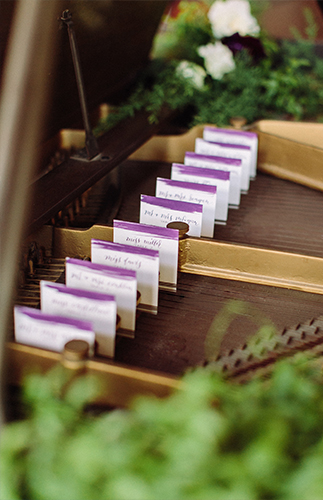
269,255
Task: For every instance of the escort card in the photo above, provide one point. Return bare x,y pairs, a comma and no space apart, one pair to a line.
159,212
98,308
207,176
163,239
232,165
47,331
142,260
242,153
121,283
231,136
193,193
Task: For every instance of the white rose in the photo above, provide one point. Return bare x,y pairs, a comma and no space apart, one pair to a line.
218,59
232,16
193,72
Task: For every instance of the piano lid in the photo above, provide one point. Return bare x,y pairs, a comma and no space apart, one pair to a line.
114,39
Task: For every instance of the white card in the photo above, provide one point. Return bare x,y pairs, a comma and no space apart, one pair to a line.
231,136
193,193
121,283
164,240
159,212
47,331
236,151
98,308
142,260
207,176
232,165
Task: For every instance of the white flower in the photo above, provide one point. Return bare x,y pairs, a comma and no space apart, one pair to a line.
232,16
218,59
193,72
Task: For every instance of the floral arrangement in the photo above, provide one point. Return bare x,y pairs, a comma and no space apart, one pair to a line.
215,62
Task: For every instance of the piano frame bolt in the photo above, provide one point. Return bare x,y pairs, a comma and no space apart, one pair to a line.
75,355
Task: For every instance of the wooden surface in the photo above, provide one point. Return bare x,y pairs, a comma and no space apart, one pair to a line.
275,214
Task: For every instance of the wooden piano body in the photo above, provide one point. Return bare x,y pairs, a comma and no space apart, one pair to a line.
269,254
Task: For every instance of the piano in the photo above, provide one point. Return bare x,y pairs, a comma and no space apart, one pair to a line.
269,255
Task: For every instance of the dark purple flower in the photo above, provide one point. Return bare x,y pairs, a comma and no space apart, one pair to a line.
236,43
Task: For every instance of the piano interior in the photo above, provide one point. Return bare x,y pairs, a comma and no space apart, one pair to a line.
269,254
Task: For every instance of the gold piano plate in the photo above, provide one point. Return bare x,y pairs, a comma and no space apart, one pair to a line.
255,268
289,150
216,259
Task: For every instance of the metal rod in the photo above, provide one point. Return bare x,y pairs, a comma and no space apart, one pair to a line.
91,145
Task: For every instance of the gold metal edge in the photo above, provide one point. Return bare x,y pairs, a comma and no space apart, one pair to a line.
291,160
72,242
119,384
287,174
253,265
218,259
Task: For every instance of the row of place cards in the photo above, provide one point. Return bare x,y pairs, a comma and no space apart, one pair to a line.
210,181
143,257
139,261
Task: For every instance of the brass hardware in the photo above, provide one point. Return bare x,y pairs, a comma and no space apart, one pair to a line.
182,227
238,122
75,355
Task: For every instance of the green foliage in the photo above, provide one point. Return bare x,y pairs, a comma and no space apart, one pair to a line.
231,96
184,34
210,440
158,86
287,83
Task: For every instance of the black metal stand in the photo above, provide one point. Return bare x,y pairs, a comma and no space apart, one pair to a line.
91,145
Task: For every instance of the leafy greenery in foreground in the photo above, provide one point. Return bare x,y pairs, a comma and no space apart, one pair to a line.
286,83
210,440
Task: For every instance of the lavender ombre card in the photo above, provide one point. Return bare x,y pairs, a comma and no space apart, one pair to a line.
231,165
193,193
163,239
159,212
207,176
142,260
231,136
226,150
48,331
98,308
121,283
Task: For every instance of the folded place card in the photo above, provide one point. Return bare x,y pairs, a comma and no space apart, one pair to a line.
142,260
121,283
232,165
231,136
48,331
225,150
207,176
98,308
159,212
163,239
194,193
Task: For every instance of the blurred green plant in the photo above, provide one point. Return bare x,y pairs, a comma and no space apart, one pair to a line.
262,340
211,439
